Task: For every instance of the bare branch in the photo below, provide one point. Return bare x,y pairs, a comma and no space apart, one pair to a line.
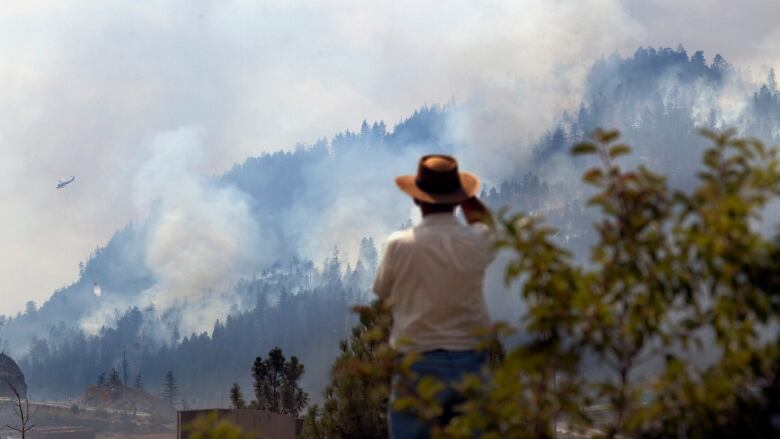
24,412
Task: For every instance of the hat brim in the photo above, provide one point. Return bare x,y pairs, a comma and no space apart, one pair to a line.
469,184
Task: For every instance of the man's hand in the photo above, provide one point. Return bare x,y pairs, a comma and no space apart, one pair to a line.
476,212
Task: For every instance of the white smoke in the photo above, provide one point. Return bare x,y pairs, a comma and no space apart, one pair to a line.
260,76
530,68
200,236
350,196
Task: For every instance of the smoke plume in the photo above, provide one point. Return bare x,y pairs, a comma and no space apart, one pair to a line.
200,236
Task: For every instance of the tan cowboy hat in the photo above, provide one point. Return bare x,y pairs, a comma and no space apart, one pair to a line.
439,182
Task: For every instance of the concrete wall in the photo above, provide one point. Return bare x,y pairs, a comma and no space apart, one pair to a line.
254,423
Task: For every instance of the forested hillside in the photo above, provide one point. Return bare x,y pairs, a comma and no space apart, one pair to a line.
323,210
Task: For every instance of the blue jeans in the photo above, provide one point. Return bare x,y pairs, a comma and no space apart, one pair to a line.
446,366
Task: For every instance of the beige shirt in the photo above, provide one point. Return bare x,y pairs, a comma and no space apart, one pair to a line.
432,277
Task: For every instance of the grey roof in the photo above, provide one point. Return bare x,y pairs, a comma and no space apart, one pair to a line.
11,371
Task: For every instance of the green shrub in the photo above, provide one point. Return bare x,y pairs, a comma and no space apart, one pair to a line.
674,278
356,400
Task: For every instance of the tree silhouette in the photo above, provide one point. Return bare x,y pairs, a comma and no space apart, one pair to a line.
236,398
294,399
356,400
138,382
368,254
124,368
276,383
698,60
170,389
114,379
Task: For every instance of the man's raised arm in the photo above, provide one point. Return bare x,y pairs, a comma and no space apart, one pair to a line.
475,211
383,283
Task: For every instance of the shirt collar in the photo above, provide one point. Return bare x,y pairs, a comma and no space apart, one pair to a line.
444,218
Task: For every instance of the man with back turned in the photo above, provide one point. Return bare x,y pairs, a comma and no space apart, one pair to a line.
432,275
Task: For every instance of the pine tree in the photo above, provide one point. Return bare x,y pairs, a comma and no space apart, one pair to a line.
368,253
356,398
681,50
558,141
138,382
378,131
101,381
698,59
260,385
332,268
294,399
114,379
276,384
170,389
771,81
124,368
719,63
175,335
236,398
276,363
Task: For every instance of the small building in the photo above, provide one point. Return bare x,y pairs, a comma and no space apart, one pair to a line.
253,423
11,375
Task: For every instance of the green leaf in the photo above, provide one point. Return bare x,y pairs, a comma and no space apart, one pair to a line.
583,148
404,404
428,387
607,136
619,150
593,176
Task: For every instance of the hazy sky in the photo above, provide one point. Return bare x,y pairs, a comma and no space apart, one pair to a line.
87,85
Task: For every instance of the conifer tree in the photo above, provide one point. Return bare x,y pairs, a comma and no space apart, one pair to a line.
138,382
276,383
356,398
365,131
276,366
170,389
124,368
698,59
236,398
368,254
294,399
260,384
114,379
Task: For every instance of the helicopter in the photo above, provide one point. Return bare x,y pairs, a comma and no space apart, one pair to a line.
64,182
